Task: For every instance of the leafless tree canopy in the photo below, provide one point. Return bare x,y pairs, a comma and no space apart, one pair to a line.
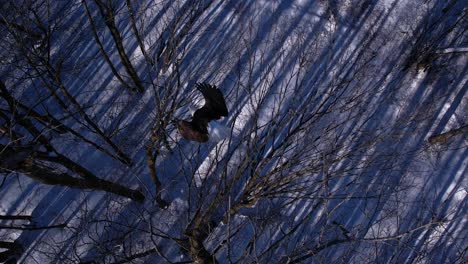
345,139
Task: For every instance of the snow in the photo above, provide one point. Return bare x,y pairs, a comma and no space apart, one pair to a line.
325,121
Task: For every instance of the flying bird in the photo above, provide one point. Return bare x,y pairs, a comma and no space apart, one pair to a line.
214,108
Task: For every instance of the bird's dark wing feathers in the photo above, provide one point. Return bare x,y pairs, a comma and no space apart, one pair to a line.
214,108
214,100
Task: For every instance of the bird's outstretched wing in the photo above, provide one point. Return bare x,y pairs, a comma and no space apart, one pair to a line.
214,100
214,108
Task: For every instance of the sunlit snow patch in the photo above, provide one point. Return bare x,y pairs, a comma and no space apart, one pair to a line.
207,166
460,195
217,131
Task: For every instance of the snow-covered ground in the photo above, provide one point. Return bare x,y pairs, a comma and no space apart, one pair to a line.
324,157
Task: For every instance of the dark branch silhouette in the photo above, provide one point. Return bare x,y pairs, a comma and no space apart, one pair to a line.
214,108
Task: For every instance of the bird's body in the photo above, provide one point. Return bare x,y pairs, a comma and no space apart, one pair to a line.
214,108
189,132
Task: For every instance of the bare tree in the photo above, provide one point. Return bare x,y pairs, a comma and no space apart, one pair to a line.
49,66
30,152
14,249
107,9
101,47
324,156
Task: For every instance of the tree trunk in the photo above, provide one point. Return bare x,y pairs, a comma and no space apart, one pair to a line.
46,176
101,47
446,136
26,160
109,19
16,217
48,121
